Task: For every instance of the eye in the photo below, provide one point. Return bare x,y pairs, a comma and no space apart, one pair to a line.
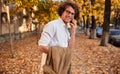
68,12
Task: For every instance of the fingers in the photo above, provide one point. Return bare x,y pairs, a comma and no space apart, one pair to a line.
74,23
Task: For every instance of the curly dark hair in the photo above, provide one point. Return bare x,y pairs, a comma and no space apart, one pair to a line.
63,7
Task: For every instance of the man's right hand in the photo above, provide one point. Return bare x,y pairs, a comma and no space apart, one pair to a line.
44,49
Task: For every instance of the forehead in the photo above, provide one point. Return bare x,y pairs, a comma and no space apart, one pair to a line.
70,9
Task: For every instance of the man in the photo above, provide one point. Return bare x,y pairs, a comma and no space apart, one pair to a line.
56,32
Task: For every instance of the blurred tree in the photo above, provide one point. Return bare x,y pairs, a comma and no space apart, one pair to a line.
107,11
91,8
99,11
47,10
85,11
87,26
0,17
115,12
93,24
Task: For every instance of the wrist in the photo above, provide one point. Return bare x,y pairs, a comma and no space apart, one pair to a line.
73,32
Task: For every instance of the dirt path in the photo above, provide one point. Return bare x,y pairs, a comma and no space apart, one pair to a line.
88,57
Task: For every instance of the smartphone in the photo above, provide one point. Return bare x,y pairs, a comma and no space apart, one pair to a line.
71,22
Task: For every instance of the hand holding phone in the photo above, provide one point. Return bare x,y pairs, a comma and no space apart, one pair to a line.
73,23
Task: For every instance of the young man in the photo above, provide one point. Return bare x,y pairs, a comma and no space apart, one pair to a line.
56,32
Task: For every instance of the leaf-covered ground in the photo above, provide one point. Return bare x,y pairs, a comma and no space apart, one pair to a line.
88,57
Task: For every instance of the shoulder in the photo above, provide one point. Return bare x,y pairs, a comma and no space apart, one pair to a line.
51,26
52,23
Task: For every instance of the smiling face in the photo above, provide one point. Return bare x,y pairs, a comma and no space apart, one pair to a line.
68,14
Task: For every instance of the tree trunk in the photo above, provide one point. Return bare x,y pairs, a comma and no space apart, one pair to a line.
84,25
93,28
87,26
116,17
106,23
105,38
0,18
16,26
11,43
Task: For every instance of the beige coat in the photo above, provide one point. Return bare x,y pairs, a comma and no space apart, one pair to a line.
58,61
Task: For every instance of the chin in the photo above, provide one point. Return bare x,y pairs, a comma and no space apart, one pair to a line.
66,21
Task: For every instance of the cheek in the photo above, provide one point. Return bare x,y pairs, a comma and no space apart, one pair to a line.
64,15
72,17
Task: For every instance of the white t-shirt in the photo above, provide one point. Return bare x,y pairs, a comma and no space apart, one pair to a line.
55,33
